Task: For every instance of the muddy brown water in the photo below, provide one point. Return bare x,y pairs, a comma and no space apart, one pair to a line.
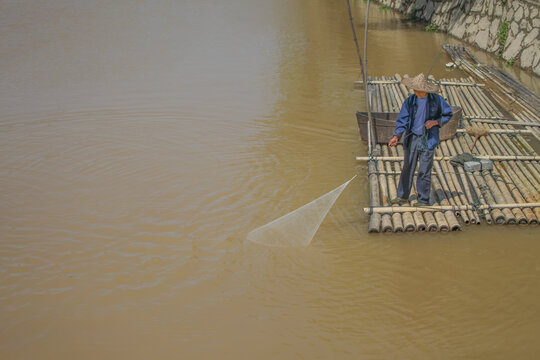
142,140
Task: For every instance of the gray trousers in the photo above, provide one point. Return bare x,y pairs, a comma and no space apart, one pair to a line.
423,180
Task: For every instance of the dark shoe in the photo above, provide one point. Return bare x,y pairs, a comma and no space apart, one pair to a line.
420,204
397,200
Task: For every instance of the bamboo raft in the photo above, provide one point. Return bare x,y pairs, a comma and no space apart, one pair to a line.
520,102
508,194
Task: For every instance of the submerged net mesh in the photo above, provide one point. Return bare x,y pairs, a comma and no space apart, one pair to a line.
298,227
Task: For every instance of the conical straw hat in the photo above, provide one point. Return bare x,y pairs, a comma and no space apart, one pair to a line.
420,83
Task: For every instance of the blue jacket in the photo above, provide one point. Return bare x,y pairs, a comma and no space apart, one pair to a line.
438,109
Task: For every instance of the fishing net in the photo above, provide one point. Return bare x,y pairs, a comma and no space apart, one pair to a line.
298,227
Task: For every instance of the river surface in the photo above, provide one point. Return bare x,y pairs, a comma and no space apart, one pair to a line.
140,141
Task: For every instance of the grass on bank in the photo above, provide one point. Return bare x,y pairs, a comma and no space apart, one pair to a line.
432,28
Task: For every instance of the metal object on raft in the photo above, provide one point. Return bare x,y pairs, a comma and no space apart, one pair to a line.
386,124
487,165
472,166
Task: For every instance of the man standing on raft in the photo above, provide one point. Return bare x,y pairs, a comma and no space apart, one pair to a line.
421,116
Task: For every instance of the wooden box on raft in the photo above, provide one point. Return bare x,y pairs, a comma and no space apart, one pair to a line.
386,124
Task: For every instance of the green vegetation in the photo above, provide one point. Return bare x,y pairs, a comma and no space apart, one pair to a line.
412,16
502,35
504,1
510,62
384,7
432,28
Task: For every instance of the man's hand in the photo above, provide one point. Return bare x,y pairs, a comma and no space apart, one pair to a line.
431,123
393,141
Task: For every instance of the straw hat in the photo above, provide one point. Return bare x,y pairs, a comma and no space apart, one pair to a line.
420,83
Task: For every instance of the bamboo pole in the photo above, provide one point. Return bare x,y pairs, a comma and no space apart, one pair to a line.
402,90
455,99
435,222
399,96
465,101
506,144
467,64
433,208
448,147
532,124
408,220
386,221
519,140
422,223
523,171
510,192
363,67
501,216
477,101
527,168
392,100
522,143
490,157
524,176
384,99
485,118
494,195
484,192
374,221
396,218
523,188
441,196
501,131
532,168
516,193
406,91
495,215
499,190
442,82
502,195
511,143
431,223
531,171
376,93
453,187
486,99
505,122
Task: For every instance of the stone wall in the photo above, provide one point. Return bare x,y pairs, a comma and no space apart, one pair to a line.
479,22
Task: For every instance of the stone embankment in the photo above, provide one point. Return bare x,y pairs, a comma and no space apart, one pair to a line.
506,28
